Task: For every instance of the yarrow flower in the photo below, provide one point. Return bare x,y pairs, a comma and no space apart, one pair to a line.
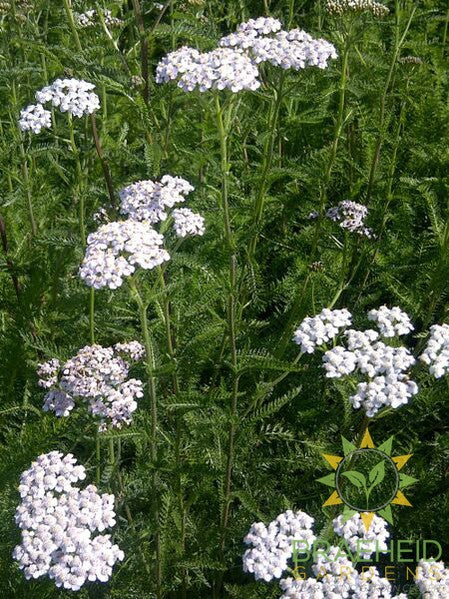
350,216
436,354
354,531
341,7
34,118
317,330
98,375
74,96
233,65
187,222
222,68
58,519
385,366
149,200
117,248
391,322
272,545
432,579
294,49
90,18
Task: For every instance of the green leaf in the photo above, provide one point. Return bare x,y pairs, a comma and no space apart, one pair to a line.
386,447
406,481
357,478
387,514
347,446
377,474
328,480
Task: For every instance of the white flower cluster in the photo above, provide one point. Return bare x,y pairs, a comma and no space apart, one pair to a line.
433,580
350,216
234,64
222,68
100,376
341,7
187,222
116,248
70,95
272,545
316,330
148,200
391,322
436,354
34,118
384,365
354,532
337,578
294,49
90,19
58,520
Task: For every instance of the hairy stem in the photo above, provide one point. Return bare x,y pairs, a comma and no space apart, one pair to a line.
150,367
266,164
143,48
104,162
223,125
333,151
71,20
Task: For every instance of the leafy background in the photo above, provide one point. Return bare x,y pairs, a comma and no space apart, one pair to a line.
281,428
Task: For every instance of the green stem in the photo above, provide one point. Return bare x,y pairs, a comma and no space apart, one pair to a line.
79,179
143,48
178,436
26,183
92,315
71,20
383,99
150,367
103,161
223,125
266,164
333,152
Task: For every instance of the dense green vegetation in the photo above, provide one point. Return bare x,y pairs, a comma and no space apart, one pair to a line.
241,421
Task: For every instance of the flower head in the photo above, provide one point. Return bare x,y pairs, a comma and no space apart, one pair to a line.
117,248
34,118
57,520
272,545
436,353
148,200
187,222
99,376
222,68
342,7
74,96
350,216
316,330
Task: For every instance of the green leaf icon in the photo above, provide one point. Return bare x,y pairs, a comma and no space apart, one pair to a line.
377,474
357,478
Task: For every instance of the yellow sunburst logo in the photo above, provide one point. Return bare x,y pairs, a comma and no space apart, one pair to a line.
367,479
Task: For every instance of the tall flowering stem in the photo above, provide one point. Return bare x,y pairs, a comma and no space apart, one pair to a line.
71,20
104,162
79,179
143,48
337,135
27,186
223,124
150,366
273,118
398,43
